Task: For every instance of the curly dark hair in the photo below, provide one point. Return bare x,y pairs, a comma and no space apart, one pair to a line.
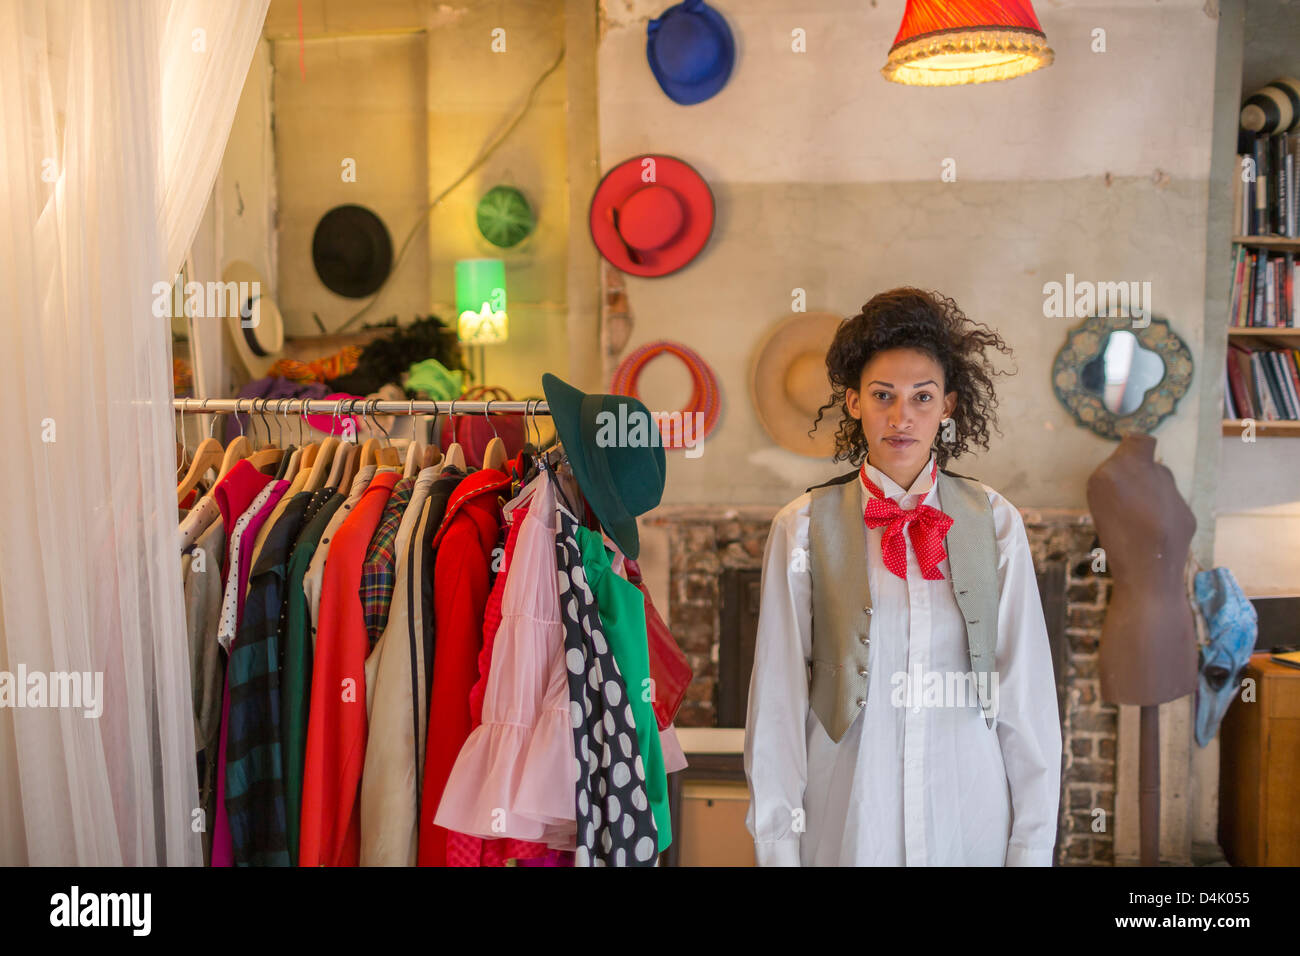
931,323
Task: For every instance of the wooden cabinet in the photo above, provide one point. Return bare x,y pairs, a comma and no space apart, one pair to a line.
1259,770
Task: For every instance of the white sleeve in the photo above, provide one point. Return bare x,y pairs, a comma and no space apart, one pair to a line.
1028,724
776,760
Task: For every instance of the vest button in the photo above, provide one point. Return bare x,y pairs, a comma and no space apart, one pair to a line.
862,672
862,702
869,609
865,639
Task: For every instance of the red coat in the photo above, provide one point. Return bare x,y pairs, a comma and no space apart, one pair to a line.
462,573
330,833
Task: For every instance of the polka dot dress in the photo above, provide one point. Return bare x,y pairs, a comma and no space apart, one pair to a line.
615,824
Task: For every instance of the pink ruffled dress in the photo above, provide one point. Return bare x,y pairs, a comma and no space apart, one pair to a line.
513,778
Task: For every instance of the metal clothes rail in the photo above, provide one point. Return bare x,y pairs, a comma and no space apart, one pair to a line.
355,406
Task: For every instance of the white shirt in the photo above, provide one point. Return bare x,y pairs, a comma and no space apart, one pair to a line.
915,781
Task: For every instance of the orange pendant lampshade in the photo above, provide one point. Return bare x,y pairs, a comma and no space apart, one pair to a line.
949,42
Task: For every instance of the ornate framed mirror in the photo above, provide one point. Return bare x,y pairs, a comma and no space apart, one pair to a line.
1116,377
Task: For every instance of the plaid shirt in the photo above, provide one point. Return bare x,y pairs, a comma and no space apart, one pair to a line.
379,572
254,774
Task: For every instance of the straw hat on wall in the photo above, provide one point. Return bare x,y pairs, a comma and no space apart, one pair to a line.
259,343
788,383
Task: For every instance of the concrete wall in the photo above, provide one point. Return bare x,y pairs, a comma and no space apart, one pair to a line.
360,102
827,178
473,95
415,92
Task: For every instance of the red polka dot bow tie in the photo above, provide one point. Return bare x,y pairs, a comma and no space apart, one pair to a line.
927,527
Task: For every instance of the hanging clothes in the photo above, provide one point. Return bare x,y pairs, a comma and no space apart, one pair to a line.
464,849
254,766
312,581
412,662
615,823
504,782
232,608
296,678
379,570
330,828
201,577
396,700
622,618
462,573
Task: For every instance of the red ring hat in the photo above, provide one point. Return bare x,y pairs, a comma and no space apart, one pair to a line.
651,215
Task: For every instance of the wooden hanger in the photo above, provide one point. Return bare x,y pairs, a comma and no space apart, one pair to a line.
338,468
455,456
327,467
290,468
414,449
352,465
432,455
375,452
494,456
236,451
207,455
309,454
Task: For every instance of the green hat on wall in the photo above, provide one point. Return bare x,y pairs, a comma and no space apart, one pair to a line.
619,479
504,216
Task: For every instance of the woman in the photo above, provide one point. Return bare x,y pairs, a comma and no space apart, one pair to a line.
902,708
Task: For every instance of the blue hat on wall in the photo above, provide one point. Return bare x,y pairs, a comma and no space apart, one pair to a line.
691,51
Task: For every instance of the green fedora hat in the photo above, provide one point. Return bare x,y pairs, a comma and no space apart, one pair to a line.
619,479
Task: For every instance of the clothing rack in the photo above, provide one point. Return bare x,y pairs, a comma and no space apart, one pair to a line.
355,406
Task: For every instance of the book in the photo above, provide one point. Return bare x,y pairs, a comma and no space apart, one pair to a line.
1277,219
1238,188
1234,293
1270,293
1264,387
1248,290
1259,224
1290,401
1290,359
1290,212
1260,293
1239,380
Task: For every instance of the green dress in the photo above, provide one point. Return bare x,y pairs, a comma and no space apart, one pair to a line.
295,693
622,611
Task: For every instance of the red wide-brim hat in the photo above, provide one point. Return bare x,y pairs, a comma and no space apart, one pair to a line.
651,215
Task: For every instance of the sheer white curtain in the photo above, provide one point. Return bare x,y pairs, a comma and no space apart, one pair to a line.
113,119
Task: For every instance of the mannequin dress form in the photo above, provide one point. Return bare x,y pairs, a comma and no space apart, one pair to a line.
1148,638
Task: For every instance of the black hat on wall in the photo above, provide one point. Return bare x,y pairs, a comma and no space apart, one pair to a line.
352,251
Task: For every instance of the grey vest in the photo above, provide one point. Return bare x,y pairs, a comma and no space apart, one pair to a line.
841,596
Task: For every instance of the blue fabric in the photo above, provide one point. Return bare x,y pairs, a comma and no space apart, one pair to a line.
691,51
1233,628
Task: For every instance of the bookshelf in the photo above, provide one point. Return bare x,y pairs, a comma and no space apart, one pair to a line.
1263,314
1233,427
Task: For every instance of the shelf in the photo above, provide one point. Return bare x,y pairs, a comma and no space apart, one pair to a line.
1263,429
1278,243
1284,337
